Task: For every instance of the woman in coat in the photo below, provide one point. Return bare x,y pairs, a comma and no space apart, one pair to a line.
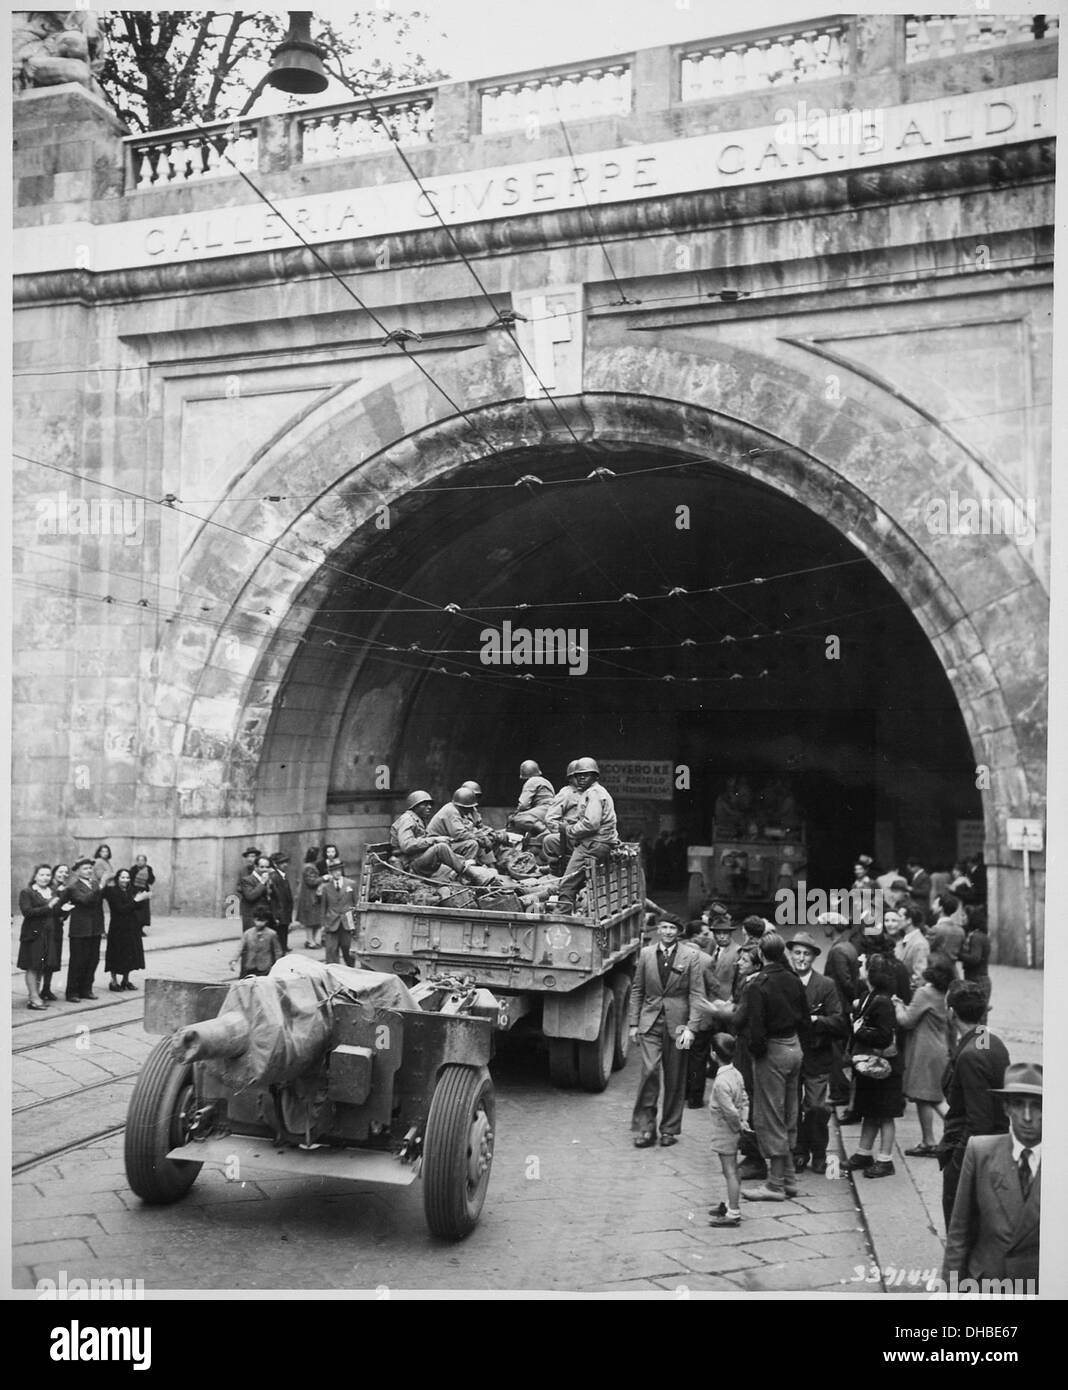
54,959
125,951
37,903
878,1101
975,953
925,1022
143,879
309,900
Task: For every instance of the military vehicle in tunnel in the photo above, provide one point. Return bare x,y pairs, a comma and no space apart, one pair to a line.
567,974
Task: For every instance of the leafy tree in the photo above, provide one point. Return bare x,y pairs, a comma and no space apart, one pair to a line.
167,68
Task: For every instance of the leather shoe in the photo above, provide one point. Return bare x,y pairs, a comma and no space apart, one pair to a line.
90,995
879,1170
764,1194
725,1220
48,996
666,1140
855,1161
818,1165
72,998
644,1141
920,1150
800,1162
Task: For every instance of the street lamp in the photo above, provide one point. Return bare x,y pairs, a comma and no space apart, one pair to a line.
297,62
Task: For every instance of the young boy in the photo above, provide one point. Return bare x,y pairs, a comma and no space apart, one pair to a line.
729,1108
260,947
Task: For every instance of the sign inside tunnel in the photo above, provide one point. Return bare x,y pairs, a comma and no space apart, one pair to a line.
649,780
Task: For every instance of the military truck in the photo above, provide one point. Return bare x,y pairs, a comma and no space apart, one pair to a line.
568,974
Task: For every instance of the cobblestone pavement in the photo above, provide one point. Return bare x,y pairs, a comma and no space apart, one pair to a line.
571,1205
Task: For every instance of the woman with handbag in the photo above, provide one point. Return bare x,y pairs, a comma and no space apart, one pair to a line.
37,903
877,1069
925,1023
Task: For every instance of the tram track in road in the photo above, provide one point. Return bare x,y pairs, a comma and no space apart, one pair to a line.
25,1165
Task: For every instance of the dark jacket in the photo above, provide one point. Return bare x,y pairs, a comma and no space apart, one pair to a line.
256,893
976,1065
827,1021
37,914
87,919
843,967
282,895
975,955
878,1030
773,1005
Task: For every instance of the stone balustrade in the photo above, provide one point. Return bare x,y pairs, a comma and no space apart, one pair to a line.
780,59
944,35
183,155
337,132
543,99
631,85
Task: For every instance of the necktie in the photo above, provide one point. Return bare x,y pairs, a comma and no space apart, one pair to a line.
1025,1173
665,967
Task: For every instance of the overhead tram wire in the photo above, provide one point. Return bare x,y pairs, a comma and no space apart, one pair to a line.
516,344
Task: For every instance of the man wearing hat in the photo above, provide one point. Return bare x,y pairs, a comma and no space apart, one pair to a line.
827,1023
248,863
283,897
724,953
993,1231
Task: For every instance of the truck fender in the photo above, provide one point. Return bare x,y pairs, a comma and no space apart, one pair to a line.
574,1015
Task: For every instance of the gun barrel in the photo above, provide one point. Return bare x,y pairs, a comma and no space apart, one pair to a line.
225,1036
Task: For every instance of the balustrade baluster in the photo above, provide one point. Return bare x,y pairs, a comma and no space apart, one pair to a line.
142,163
998,29
972,33
923,40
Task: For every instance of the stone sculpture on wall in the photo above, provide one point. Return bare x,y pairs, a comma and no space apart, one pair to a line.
50,47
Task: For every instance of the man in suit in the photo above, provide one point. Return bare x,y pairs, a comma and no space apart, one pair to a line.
256,889
826,1024
339,896
282,894
724,956
86,928
913,950
993,1229
665,1004
973,1074
919,880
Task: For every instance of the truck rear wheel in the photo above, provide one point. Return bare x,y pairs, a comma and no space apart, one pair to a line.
158,1119
595,1058
458,1150
563,1062
621,989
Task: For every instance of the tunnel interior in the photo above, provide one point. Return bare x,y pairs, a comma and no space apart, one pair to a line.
805,665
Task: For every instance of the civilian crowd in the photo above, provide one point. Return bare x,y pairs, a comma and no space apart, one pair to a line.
70,899
897,1016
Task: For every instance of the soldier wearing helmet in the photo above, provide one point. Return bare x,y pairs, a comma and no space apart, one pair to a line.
537,793
413,848
592,833
559,814
458,824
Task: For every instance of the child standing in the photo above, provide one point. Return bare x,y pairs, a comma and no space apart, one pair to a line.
729,1108
260,947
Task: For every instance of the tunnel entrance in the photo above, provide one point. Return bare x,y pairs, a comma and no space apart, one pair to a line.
725,630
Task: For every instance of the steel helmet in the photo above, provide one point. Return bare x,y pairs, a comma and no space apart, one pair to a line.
464,796
587,765
529,769
472,786
572,767
416,799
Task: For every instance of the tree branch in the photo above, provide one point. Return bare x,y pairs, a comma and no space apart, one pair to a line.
224,66
253,97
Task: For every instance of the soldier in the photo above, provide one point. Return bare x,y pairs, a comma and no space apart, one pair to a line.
416,850
455,823
534,799
559,814
593,832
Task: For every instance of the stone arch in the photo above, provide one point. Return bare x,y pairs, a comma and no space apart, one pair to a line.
866,472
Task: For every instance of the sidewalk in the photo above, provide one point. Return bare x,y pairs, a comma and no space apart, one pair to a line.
904,1213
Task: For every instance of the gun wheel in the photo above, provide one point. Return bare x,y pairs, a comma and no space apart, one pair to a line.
158,1120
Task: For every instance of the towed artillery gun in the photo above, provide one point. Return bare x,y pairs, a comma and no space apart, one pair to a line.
318,1071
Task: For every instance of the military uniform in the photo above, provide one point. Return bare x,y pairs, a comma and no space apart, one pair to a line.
460,829
592,834
410,844
534,801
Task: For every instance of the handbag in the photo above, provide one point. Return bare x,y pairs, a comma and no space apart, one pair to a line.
874,1065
